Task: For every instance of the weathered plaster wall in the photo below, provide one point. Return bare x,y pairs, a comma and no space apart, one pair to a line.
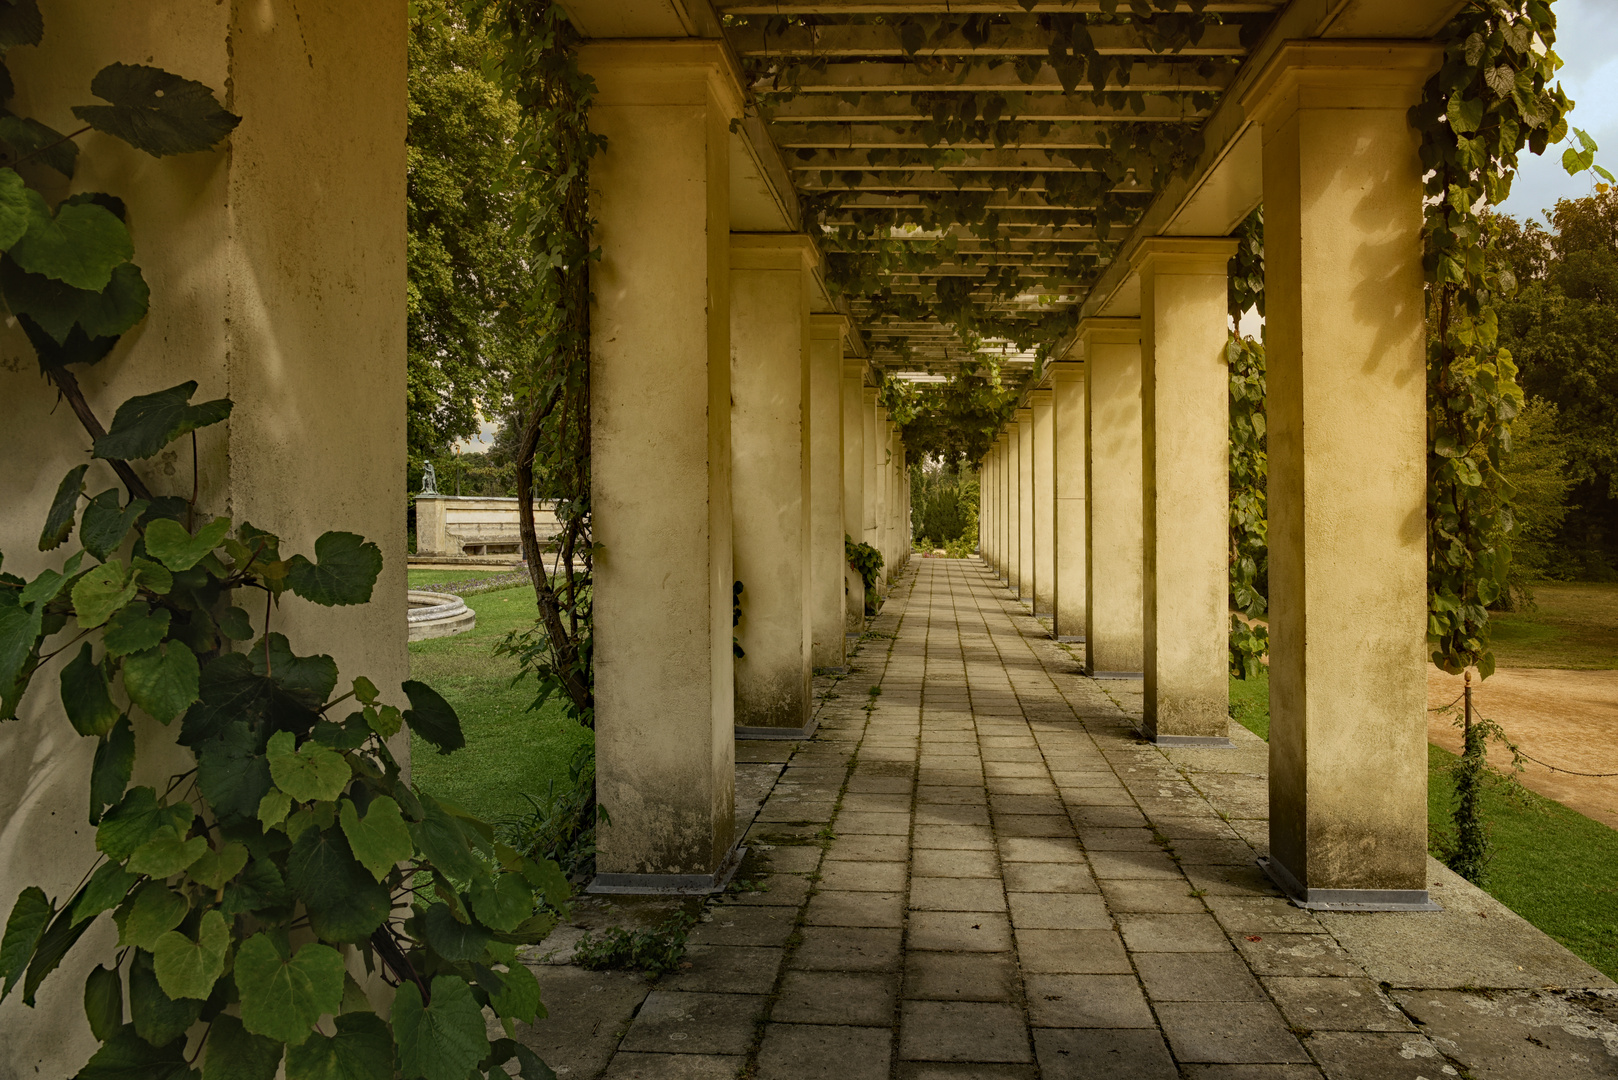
277,274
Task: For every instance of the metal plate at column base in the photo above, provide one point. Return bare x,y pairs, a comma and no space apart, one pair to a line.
1215,742
1116,674
1345,899
777,734
669,884
1071,639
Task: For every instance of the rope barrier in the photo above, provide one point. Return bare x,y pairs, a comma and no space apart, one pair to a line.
1527,757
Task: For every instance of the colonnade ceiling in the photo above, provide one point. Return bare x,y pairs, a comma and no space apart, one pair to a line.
971,167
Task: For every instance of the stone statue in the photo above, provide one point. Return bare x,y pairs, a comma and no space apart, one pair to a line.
429,480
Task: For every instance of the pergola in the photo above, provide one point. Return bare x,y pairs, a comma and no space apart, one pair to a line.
803,197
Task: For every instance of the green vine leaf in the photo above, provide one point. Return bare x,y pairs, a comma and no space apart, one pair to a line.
362,1049
64,508
443,1040
20,205
345,573
310,773
155,111
381,840
86,696
127,1056
60,936
168,542
24,927
433,718
158,1018
107,522
49,584
106,889
79,326
104,1002
144,425
135,820
135,627
187,968
79,247
100,592
163,681
28,136
452,939
234,1053
519,995
345,904
281,997
502,902
215,868
114,765
166,854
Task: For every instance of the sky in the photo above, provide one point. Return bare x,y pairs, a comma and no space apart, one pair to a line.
1587,42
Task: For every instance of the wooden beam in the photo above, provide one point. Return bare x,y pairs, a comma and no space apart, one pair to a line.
1076,107
791,136
1156,76
967,7
1011,160
1023,38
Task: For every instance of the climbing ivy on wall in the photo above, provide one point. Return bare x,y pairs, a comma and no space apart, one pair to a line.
288,833
1493,97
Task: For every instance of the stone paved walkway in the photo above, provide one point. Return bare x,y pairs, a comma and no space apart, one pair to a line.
978,870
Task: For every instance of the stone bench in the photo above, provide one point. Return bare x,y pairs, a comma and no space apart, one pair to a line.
459,525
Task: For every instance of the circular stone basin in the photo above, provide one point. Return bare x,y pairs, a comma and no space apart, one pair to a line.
434,615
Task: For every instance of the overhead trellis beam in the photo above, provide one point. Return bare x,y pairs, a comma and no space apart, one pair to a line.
1014,160
1072,108
1002,78
975,7
932,181
1022,39
908,137
1027,202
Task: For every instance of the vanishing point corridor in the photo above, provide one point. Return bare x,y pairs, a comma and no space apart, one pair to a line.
980,871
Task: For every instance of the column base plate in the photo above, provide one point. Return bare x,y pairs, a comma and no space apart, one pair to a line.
1345,899
1211,742
669,884
1116,674
778,734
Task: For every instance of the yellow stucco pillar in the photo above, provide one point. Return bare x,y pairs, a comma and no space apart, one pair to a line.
987,528
1025,504
1068,528
869,460
1185,468
1346,350
1014,518
660,443
277,265
879,520
1008,507
770,431
853,465
1041,401
1113,643
826,562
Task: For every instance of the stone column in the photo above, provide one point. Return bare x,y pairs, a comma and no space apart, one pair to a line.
1014,490
1008,523
868,422
1347,446
1044,503
660,442
771,426
826,562
1067,416
1025,504
853,487
987,527
1185,469
1113,642
884,488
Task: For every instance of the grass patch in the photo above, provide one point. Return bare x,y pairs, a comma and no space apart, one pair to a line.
1250,703
1574,625
420,579
510,751
1553,866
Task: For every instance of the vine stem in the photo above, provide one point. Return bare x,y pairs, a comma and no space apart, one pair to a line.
50,146
68,386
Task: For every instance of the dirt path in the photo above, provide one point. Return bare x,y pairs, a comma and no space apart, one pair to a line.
1568,718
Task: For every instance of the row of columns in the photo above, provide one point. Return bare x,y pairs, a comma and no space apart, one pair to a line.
733,447
1106,495
1104,503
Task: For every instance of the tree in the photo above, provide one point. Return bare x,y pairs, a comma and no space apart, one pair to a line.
467,274
1537,470
1562,329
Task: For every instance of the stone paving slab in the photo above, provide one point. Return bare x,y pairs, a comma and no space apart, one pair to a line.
983,872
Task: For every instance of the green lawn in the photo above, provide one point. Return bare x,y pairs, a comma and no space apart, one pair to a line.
1556,868
1573,625
422,578
509,750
